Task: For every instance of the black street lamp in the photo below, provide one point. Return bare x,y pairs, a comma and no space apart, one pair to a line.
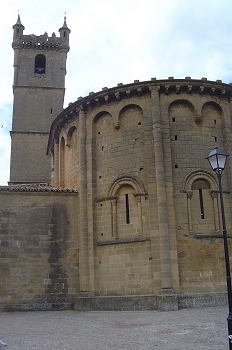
217,159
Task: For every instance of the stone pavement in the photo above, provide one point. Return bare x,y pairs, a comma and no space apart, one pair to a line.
195,329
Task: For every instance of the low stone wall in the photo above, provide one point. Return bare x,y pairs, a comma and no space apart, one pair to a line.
149,302
38,248
124,303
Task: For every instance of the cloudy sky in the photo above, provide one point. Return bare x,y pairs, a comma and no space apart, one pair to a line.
119,41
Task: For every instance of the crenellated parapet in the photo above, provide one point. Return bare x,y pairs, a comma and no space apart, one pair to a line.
40,42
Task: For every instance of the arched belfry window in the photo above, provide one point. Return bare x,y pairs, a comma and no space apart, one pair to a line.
40,64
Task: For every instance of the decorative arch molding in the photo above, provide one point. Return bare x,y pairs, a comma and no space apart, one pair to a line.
126,180
137,185
124,109
213,104
200,175
70,134
128,106
197,175
100,115
181,101
195,113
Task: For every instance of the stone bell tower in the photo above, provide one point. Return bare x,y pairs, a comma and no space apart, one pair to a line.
38,88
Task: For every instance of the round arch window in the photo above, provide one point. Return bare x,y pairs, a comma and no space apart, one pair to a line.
40,64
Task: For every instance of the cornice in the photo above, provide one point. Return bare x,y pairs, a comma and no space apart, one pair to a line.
136,89
36,188
38,87
29,132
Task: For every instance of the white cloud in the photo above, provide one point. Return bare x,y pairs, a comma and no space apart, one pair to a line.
113,42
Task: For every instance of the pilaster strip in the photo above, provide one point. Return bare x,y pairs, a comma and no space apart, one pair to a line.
166,282
84,262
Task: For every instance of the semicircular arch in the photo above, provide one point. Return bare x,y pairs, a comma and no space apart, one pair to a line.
130,106
212,105
126,180
181,102
100,115
199,175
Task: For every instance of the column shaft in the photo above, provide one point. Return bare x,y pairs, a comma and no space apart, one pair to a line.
166,282
83,258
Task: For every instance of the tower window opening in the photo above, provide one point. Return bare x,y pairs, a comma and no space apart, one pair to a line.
40,64
17,30
127,209
51,110
64,34
201,204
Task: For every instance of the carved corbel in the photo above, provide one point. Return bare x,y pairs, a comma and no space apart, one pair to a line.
128,92
198,119
139,90
117,95
189,89
177,89
201,89
117,126
166,89
107,98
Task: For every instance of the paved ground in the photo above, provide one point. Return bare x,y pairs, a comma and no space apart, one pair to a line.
193,329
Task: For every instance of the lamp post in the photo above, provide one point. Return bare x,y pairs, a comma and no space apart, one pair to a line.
217,159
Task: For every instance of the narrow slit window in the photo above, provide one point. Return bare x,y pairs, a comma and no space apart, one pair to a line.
201,204
127,209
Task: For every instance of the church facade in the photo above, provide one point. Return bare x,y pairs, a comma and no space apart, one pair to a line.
131,218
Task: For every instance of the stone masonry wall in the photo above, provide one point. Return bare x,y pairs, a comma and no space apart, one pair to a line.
143,150
38,248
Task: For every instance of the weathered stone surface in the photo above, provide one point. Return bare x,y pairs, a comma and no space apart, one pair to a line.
133,210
